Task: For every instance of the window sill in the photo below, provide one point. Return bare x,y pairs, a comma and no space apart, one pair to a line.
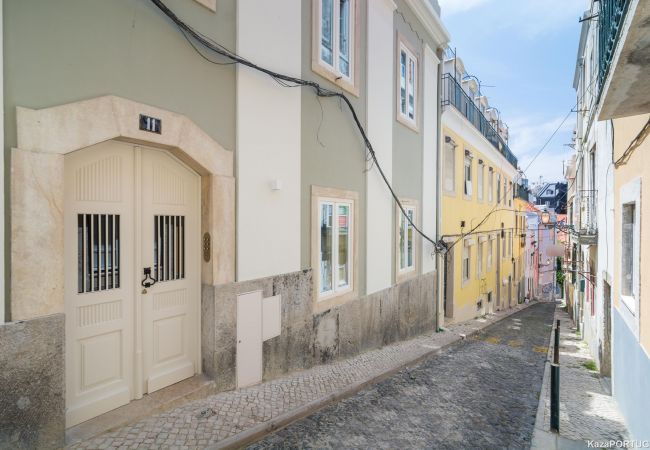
467,197
406,274
449,193
333,77
408,123
332,300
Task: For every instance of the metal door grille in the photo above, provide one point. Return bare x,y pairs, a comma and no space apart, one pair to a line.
98,252
169,248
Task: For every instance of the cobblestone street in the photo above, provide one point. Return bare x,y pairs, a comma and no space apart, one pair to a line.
481,393
587,409
225,415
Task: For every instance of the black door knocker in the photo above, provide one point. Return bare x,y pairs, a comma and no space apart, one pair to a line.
148,280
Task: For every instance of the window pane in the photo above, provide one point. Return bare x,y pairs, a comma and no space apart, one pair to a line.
344,245
327,31
627,269
409,235
402,81
326,211
411,89
344,37
449,168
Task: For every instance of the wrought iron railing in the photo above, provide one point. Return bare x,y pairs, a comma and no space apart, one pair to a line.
610,20
588,223
454,94
521,192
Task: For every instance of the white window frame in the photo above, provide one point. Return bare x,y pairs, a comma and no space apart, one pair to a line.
479,257
401,223
449,175
498,188
466,255
490,252
490,185
480,180
511,193
467,177
337,295
630,193
411,56
332,71
336,289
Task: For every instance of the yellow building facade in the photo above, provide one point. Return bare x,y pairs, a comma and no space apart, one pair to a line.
483,267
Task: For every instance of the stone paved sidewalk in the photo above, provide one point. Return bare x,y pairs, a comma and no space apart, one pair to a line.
210,420
587,409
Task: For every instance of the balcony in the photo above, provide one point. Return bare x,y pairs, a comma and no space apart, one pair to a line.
624,58
522,192
587,223
453,94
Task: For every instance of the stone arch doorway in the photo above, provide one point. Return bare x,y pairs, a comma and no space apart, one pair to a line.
50,138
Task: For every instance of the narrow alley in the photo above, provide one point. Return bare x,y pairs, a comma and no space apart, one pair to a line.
481,393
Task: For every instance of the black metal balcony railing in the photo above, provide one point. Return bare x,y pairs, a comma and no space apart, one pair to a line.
454,94
521,192
610,19
588,224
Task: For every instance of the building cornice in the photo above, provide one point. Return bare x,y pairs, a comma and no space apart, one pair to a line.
453,119
431,21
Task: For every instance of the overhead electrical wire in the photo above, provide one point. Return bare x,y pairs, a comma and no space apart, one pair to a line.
493,210
636,142
289,81
320,91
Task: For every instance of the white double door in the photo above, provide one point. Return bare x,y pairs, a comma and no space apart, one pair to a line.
129,210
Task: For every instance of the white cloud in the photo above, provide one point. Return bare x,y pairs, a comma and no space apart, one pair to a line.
530,134
450,7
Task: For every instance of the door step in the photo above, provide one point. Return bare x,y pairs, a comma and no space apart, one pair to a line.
194,388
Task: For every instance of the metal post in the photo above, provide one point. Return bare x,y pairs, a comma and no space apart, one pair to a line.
556,347
555,398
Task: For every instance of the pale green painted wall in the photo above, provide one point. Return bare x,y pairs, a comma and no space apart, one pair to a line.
333,152
62,51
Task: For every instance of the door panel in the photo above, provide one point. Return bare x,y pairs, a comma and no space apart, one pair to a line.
170,247
249,338
98,242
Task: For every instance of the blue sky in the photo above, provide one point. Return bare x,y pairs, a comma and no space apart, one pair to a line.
527,50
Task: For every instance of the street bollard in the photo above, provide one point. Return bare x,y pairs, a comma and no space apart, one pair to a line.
555,398
556,349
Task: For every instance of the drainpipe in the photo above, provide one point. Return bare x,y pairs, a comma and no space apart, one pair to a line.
440,315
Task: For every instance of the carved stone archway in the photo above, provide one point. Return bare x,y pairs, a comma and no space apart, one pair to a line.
37,194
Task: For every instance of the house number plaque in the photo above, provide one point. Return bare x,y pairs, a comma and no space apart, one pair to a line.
150,124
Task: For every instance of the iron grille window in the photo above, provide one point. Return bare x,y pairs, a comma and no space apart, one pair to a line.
98,252
169,248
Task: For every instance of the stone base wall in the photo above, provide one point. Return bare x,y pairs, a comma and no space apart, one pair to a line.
32,383
399,312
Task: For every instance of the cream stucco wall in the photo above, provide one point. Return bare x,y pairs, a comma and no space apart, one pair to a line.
638,167
380,132
429,153
268,140
2,183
